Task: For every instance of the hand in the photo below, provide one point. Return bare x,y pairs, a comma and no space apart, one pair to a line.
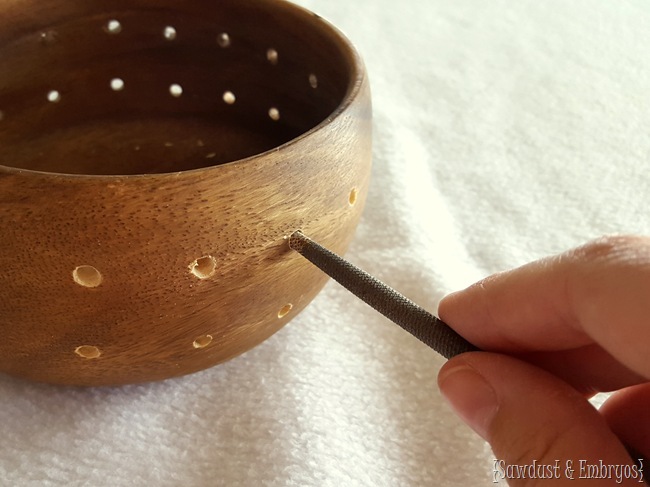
563,328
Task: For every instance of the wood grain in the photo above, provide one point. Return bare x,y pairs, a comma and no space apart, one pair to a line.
142,235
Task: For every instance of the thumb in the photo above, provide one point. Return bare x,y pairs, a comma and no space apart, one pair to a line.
531,417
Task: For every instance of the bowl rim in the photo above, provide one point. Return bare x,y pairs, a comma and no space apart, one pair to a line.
357,79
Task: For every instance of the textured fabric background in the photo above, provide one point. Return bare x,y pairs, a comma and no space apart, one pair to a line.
504,131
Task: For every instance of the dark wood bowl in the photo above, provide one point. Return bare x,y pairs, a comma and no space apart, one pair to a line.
155,157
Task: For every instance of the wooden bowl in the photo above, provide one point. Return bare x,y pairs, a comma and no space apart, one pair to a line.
155,157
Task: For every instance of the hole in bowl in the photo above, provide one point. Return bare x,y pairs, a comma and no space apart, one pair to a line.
272,56
284,311
48,37
169,33
53,96
117,84
175,90
223,39
313,81
87,276
229,97
202,341
274,114
88,351
204,267
113,27
352,197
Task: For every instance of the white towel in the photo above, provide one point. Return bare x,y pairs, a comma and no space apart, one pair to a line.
504,131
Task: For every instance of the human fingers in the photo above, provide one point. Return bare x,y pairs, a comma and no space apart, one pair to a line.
627,413
597,293
530,417
588,369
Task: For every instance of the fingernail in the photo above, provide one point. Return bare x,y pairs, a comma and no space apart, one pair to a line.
471,396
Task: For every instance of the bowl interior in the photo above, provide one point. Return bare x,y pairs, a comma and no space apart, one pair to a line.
140,87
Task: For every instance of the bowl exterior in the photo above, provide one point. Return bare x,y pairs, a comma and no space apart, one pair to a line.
109,280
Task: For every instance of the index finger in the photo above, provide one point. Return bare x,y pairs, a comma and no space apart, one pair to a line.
598,293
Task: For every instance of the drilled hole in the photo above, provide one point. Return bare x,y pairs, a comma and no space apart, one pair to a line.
274,113
113,27
117,84
54,96
223,39
229,97
87,276
211,155
88,351
202,341
169,33
175,90
204,267
313,81
272,56
284,311
169,144
48,37
352,198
